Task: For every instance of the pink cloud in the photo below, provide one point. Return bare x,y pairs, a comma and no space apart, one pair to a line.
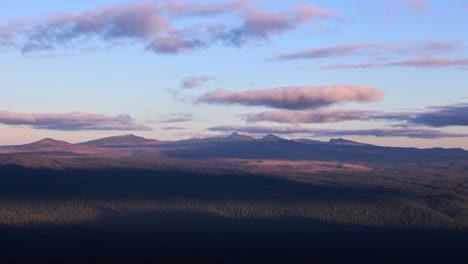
71,121
141,22
325,52
307,12
431,62
423,49
296,97
419,5
322,116
182,8
440,116
8,33
156,26
173,44
417,62
196,81
263,24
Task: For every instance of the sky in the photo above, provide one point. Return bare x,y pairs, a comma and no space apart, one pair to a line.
390,73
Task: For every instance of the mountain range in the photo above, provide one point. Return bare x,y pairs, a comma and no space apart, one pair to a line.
234,146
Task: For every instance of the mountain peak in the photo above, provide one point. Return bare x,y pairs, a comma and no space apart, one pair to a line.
126,135
51,141
126,139
338,140
239,137
47,142
271,137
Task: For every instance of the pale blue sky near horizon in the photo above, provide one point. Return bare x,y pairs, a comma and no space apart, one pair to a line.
99,77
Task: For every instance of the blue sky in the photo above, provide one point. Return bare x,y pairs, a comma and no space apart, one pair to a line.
124,72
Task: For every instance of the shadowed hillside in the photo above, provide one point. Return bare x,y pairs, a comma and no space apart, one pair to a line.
233,199
240,217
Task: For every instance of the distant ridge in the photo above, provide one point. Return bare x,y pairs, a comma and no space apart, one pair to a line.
127,139
238,137
271,138
45,143
235,145
223,138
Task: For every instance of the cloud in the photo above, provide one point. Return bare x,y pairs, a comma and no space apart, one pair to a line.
418,62
8,33
419,5
439,116
295,97
196,81
451,115
324,52
173,45
71,121
262,24
422,54
173,128
133,22
422,49
182,8
322,116
403,132
163,27
177,117
430,62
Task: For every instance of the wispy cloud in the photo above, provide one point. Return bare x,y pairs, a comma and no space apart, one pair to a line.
419,62
419,5
173,128
263,24
134,22
325,52
428,53
71,121
176,118
439,116
174,44
156,26
322,116
442,116
196,81
295,97
421,49
184,8
402,132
